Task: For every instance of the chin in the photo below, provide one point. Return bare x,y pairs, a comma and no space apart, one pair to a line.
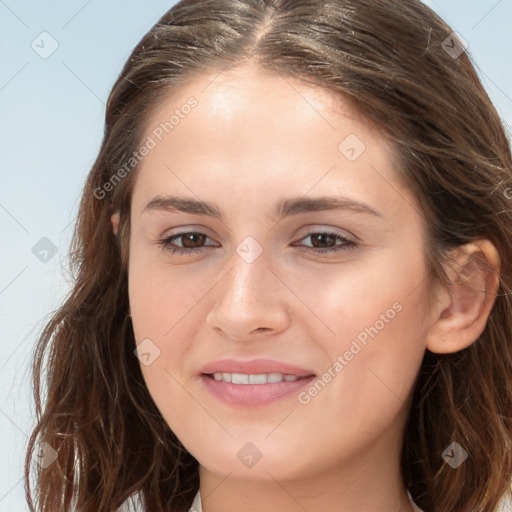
247,461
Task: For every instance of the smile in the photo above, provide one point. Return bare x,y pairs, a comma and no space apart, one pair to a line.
262,378
247,391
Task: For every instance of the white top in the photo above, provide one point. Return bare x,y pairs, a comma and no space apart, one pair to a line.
197,506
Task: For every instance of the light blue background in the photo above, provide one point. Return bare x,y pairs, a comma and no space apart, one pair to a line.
51,125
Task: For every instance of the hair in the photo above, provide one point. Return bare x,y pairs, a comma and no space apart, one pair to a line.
389,59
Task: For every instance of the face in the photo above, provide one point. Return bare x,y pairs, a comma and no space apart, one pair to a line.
273,245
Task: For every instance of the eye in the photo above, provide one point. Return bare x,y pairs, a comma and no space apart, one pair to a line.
192,242
189,240
324,237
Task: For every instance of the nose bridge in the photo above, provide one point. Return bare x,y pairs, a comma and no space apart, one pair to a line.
250,280
250,260
248,297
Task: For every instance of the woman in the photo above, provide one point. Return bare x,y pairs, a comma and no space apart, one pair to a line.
292,273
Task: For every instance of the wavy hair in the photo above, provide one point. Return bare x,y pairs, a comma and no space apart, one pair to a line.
392,59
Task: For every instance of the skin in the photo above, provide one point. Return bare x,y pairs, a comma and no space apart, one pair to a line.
253,139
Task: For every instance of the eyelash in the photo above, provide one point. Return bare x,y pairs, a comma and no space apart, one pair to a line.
165,243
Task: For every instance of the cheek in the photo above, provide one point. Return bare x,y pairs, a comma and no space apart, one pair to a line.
373,334
162,296
165,302
375,352
158,308
378,361
381,297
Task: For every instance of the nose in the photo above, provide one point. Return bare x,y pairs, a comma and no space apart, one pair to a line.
250,300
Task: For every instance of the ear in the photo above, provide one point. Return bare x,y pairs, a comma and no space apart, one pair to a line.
462,308
114,219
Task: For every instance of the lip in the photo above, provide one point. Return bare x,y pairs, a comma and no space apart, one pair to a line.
254,367
253,395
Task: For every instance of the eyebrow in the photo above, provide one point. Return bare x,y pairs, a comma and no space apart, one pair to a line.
284,208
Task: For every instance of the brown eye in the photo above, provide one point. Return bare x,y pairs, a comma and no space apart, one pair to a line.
191,241
322,239
319,239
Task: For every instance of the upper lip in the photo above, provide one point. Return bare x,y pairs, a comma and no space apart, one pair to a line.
254,367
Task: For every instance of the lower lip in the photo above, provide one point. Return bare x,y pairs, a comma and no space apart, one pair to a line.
253,395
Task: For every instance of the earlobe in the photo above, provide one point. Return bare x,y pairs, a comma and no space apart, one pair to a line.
114,219
463,306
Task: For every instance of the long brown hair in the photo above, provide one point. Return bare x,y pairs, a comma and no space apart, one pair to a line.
401,66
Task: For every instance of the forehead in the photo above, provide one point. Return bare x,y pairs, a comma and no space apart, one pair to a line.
255,132
230,99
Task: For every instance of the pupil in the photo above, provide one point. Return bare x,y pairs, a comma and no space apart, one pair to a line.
190,238
320,236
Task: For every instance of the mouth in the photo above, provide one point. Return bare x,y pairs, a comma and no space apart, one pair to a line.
248,391
258,379
223,369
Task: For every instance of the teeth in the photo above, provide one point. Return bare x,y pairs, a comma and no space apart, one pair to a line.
257,379
262,378
275,377
239,378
